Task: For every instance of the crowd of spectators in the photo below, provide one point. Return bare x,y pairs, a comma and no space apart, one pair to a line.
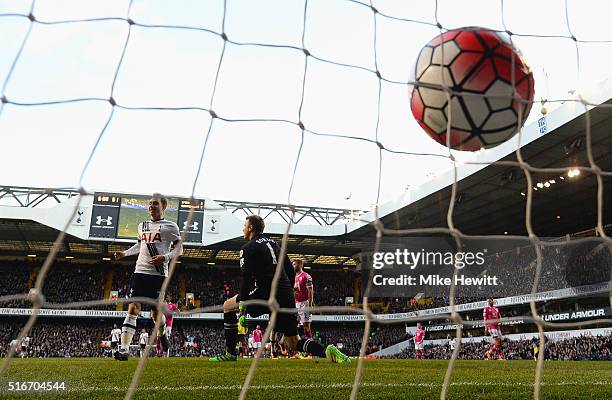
563,266
568,265
66,283
350,337
211,286
346,338
197,340
385,336
71,282
331,287
14,280
89,338
56,338
597,348
584,348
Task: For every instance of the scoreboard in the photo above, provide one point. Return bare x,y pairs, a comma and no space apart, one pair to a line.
117,216
193,231
105,216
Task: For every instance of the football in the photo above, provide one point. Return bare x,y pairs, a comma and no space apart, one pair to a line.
478,80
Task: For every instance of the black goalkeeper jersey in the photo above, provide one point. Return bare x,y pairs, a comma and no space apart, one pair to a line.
258,260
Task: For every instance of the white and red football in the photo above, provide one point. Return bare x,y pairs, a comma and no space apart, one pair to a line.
488,102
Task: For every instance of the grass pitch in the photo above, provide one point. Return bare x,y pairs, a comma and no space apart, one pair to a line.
189,378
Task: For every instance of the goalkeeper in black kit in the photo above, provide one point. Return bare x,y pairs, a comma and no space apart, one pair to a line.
258,261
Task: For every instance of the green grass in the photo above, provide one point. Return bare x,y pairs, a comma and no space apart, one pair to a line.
189,378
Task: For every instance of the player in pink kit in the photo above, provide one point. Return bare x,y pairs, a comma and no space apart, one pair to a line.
489,313
169,318
303,291
419,339
257,337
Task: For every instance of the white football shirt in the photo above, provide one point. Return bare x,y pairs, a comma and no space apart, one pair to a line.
115,335
156,239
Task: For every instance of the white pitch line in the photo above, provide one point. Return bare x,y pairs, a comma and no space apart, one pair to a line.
326,386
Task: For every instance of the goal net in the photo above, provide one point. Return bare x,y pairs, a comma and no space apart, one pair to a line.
129,95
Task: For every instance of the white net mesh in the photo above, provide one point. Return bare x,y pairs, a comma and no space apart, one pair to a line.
310,54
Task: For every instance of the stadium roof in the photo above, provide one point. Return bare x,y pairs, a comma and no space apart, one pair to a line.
490,200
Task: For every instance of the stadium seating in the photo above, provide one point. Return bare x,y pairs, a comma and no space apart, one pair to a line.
71,282
84,337
577,349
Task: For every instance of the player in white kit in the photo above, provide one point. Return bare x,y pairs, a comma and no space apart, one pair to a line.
115,337
159,241
144,337
25,346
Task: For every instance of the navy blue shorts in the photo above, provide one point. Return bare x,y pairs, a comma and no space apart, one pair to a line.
286,323
145,285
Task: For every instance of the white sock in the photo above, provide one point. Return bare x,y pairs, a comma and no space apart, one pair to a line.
127,331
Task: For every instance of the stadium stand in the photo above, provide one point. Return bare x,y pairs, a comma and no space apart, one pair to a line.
72,281
83,280
15,276
594,348
86,337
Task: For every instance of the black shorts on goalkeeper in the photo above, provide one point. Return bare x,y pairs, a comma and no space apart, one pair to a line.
286,323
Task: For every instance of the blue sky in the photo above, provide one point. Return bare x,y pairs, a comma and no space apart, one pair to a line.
145,151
